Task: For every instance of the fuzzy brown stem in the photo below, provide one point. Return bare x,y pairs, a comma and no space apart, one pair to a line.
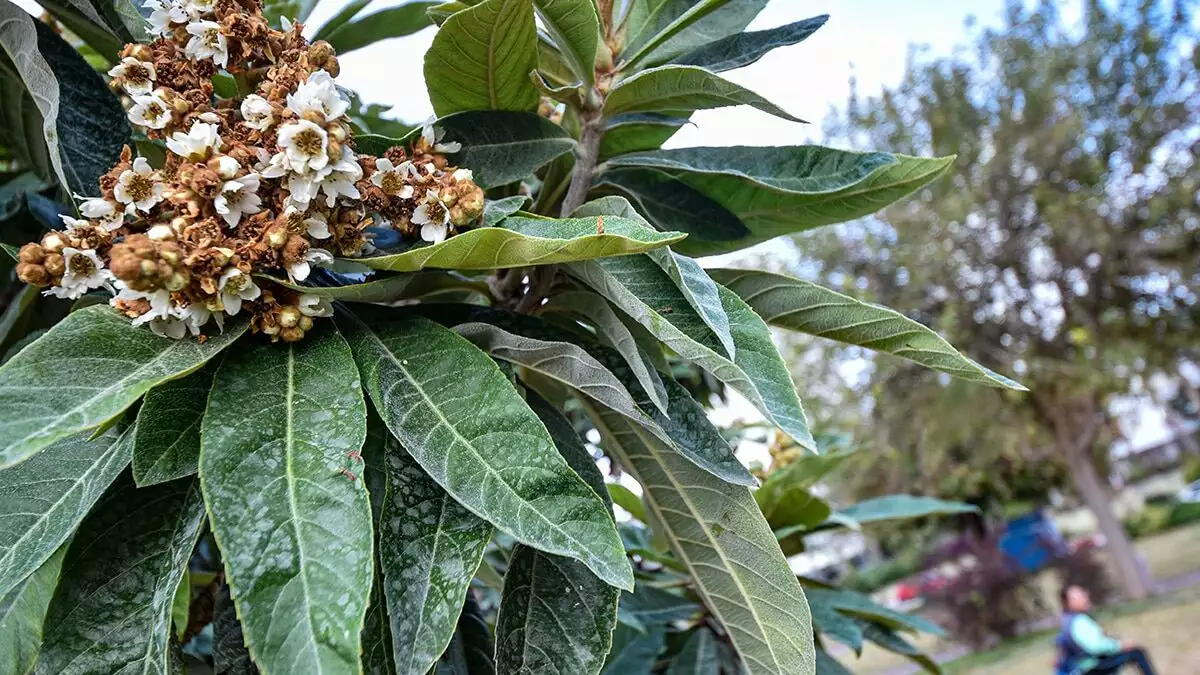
586,155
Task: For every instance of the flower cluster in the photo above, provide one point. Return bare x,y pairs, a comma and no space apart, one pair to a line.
264,184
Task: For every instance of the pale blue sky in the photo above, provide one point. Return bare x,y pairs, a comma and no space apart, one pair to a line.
867,38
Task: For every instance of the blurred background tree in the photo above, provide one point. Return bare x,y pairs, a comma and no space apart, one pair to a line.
1070,241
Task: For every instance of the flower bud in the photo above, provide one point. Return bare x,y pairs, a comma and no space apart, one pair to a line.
277,238
293,334
53,242
288,317
176,282
31,253
54,265
33,274
161,232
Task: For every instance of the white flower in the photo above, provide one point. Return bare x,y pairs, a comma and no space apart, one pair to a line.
227,167
169,327
196,143
238,198
73,223
390,178
210,117
340,181
199,7
433,217
138,188
160,302
317,226
257,112
207,43
305,144
433,135
312,305
102,210
299,271
163,14
303,187
195,315
137,77
318,94
236,286
160,232
150,111
274,166
83,270
463,174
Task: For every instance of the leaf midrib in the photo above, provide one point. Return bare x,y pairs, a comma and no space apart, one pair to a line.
289,455
679,489
420,389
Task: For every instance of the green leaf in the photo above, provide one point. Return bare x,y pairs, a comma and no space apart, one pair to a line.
378,658
860,605
82,20
677,90
827,619
383,288
500,146
393,22
717,530
344,16
497,210
166,442
794,506
45,498
112,610
22,611
698,656
470,652
481,58
84,126
521,242
575,27
827,665
672,204
902,507
634,652
742,49
650,606
784,497
892,642
429,549
637,132
640,288
807,307
465,424
181,604
613,333
281,424
697,288
230,655
685,426
555,615
783,190
680,25
85,371
626,499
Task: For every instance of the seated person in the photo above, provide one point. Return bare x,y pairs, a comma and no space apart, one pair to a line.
1084,649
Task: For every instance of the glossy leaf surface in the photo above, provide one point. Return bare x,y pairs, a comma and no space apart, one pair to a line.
112,364
294,530
462,420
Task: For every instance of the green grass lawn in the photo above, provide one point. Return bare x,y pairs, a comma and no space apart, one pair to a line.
1167,625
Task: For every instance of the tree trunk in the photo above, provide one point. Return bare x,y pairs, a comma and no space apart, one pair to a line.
1131,577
